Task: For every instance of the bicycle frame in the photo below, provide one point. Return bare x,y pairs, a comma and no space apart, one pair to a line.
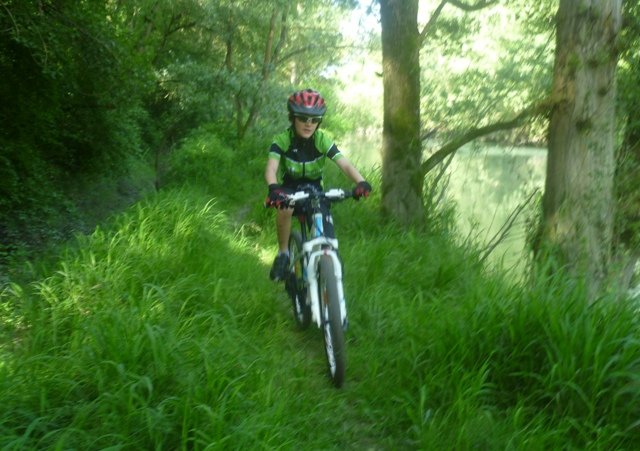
315,247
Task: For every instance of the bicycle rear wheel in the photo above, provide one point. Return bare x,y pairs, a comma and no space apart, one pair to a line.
295,283
332,321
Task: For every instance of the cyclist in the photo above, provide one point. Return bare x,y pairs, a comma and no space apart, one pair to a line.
299,154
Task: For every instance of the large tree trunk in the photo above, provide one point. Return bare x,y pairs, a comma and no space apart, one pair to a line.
578,198
402,179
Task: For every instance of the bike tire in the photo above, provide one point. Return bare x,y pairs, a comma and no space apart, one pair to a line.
332,321
295,283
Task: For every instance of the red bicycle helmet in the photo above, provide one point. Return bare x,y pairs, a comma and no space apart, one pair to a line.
307,102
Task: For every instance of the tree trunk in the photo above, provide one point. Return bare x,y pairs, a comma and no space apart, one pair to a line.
402,179
578,198
271,54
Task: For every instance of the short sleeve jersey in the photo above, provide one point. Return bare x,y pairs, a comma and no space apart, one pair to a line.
302,160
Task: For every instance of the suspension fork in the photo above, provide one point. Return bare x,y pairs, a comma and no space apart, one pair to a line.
312,278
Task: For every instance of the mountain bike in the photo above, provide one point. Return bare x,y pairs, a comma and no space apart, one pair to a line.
314,282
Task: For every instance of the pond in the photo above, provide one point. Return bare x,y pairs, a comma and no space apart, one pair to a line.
487,184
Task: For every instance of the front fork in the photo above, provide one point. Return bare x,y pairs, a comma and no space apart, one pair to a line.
312,286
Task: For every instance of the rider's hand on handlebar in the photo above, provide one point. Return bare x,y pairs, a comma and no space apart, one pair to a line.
277,197
362,189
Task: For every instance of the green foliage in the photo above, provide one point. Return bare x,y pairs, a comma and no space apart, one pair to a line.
161,330
203,160
72,54
628,156
485,365
149,365
153,338
228,62
125,78
70,108
478,69
86,85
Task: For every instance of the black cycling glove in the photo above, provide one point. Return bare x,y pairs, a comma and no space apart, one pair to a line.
362,189
276,197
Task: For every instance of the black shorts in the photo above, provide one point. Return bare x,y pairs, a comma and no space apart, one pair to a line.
292,186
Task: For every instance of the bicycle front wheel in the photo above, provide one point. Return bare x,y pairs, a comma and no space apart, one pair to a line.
332,321
295,283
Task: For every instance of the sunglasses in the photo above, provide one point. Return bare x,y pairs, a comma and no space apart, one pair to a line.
309,119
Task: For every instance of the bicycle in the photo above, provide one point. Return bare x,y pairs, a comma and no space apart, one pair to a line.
314,282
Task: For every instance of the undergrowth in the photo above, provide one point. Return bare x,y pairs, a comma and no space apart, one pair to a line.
161,330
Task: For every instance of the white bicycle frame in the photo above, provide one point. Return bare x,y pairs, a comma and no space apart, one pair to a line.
313,249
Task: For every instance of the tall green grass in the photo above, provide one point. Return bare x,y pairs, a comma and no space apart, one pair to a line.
162,333
161,330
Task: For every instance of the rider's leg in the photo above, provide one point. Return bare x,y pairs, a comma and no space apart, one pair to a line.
283,227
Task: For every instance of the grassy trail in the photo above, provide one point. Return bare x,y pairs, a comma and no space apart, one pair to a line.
162,331
165,332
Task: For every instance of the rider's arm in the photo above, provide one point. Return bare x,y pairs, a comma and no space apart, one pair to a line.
349,170
271,171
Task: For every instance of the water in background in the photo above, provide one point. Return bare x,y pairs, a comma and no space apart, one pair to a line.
487,183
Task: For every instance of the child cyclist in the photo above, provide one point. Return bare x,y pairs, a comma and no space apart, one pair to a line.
299,153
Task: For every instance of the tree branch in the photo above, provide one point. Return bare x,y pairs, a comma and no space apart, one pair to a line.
427,28
310,47
466,7
538,109
272,50
268,55
458,4
283,32
181,27
15,24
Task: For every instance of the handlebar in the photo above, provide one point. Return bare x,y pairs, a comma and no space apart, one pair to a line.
334,194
